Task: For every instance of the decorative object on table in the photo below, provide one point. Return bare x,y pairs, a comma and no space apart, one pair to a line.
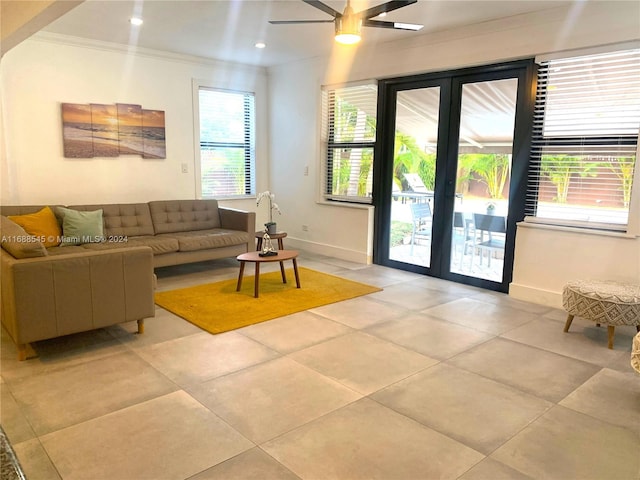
267,246
274,236
270,225
491,208
96,130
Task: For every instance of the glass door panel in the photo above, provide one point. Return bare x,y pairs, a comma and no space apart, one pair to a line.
485,148
414,171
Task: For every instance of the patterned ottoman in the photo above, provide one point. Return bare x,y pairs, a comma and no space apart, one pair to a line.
606,302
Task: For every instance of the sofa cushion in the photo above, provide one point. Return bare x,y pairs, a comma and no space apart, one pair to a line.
204,239
18,242
184,215
123,219
158,244
81,227
65,250
41,224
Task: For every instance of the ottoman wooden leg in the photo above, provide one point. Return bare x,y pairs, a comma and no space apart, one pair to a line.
141,326
610,331
568,323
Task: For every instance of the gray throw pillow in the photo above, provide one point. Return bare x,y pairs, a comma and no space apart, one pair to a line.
18,242
81,227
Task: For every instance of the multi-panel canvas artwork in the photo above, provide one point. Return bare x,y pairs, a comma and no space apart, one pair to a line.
104,130
153,134
97,130
130,129
76,130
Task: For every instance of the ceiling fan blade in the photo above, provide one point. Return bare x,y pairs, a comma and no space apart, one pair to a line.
286,22
324,7
384,8
393,25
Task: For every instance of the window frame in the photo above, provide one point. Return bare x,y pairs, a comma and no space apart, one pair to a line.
249,146
540,142
329,145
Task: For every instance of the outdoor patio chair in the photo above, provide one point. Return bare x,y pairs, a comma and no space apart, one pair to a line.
422,222
462,234
418,192
415,183
495,228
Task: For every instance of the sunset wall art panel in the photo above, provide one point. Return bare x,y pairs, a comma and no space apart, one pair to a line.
153,134
104,130
98,130
76,130
130,129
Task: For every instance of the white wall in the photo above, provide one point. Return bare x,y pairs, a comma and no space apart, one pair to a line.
45,71
547,257
296,112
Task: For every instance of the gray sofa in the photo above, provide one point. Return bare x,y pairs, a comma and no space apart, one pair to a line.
178,231
59,290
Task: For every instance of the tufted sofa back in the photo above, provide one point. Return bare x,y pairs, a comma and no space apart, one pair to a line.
7,210
137,219
123,219
184,215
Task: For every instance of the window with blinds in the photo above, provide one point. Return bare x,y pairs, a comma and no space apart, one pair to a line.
585,137
349,135
227,145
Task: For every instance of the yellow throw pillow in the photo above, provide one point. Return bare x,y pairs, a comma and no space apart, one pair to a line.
42,224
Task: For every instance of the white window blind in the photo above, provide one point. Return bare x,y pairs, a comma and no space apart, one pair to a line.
227,146
349,135
585,136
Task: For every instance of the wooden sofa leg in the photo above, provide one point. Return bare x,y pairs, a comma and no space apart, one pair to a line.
141,326
22,352
568,323
610,331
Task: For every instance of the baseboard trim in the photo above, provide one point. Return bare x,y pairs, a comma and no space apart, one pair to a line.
328,250
535,295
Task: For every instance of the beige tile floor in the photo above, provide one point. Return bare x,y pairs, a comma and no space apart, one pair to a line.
426,379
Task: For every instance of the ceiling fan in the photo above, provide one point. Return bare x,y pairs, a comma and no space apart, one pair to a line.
349,23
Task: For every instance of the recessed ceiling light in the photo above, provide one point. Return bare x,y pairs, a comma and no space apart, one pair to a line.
261,45
135,21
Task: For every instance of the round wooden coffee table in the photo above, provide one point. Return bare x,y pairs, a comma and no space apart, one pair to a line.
257,259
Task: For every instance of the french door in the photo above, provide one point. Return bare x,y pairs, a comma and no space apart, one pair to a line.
451,170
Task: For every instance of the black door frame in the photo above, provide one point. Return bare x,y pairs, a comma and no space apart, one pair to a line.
450,83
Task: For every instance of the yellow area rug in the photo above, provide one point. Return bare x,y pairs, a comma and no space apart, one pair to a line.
217,307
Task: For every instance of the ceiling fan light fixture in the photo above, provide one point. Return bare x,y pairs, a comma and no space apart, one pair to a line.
348,29
348,24
408,26
347,38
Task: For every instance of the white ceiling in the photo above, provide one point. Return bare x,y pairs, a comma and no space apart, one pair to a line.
228,29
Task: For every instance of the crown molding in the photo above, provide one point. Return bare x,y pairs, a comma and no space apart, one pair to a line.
80,42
